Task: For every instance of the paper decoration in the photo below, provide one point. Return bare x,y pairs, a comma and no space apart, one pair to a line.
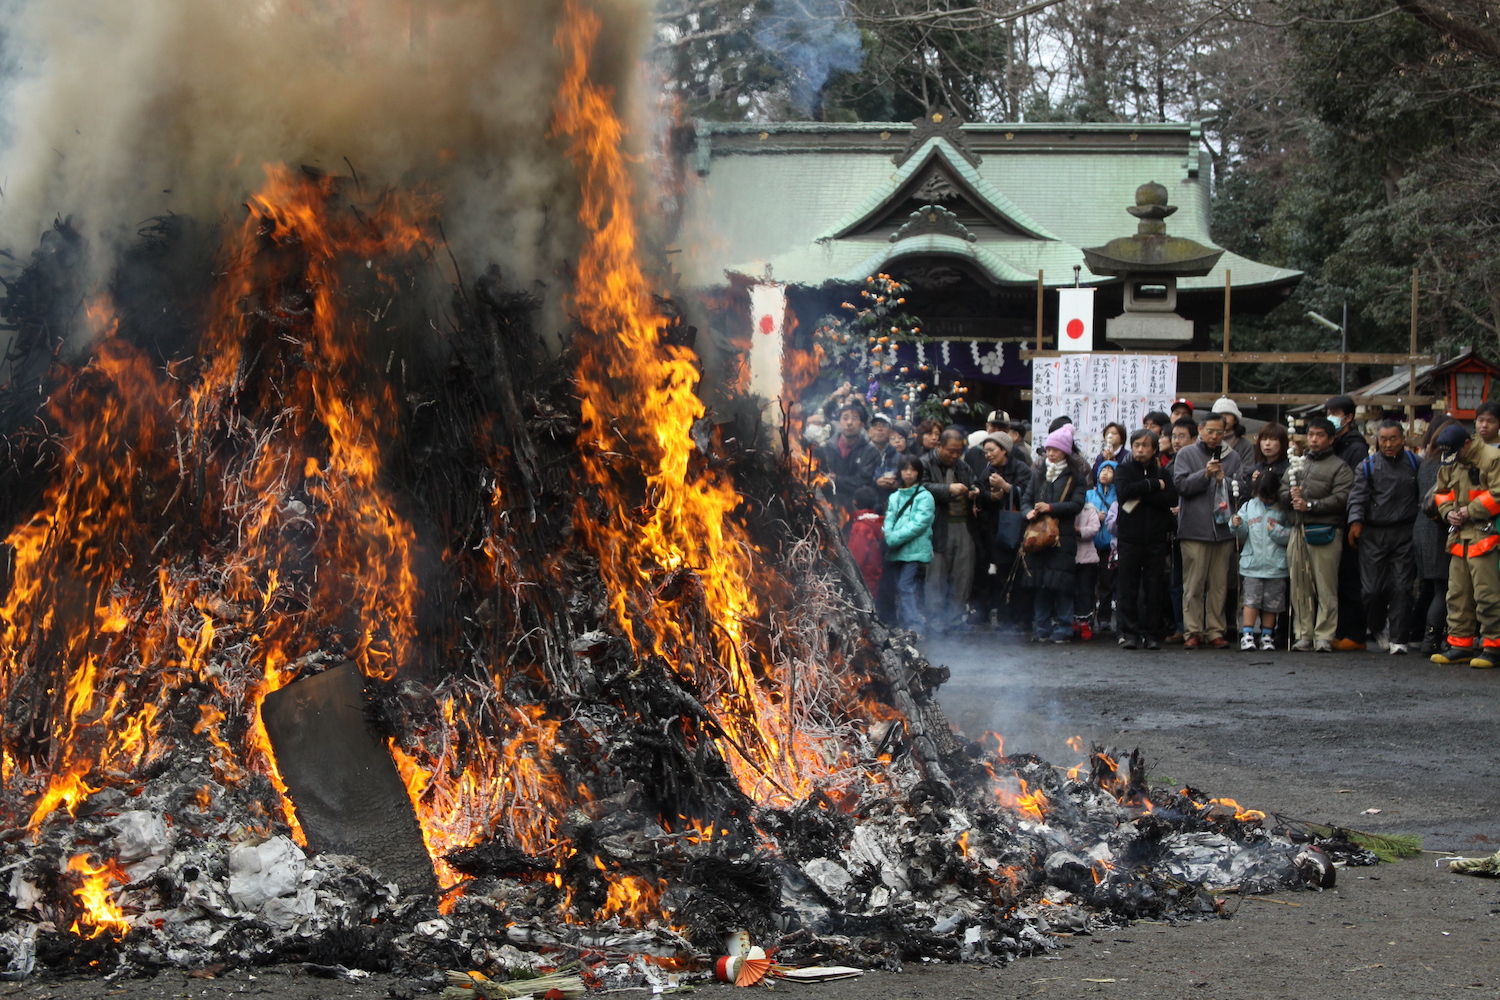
1075,319
1096,390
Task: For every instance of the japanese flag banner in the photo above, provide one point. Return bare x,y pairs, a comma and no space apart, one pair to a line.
1075,319
767,316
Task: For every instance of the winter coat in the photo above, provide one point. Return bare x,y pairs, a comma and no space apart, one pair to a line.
1249,474
1242,446
1199,495
1101,497
1385,491
866,545
1473,481
1429,535
1350,445
1014,471
1087,525
849,472
936,478
1326,481
1052,568
1265,533
908,526
1145,497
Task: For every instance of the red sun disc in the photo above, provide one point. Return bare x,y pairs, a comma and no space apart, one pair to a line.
1075,328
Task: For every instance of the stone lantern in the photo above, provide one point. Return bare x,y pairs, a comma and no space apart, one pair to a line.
1150,262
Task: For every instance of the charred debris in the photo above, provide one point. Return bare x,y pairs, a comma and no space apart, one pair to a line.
624,834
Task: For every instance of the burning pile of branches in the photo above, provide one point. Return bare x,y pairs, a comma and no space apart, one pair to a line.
631,684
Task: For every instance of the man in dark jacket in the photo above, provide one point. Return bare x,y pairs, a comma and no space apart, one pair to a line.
1350,446
951,573
1143,530
1001,484
1382,507
1202,473
849,459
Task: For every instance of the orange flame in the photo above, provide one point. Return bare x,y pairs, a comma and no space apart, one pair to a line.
100,911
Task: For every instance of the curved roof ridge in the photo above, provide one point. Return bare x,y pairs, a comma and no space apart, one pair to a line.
882,199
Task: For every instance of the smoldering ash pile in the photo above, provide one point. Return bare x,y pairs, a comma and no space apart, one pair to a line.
350,617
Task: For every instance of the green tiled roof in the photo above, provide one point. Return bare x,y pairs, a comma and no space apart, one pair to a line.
881,198
789,200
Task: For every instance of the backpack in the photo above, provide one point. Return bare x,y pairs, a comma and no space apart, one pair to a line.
1368,465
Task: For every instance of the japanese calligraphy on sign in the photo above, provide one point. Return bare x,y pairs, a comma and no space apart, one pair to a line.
1096,390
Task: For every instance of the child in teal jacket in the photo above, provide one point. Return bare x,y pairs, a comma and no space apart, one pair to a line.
908,537
1261,525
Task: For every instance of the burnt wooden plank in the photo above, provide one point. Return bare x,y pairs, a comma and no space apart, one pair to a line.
349,797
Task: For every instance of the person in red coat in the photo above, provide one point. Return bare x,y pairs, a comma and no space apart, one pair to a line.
867,537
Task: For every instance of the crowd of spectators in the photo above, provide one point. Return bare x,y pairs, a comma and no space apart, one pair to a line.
1183,531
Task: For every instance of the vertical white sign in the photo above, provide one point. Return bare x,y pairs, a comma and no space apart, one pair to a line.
1075,319
1098,389
768,322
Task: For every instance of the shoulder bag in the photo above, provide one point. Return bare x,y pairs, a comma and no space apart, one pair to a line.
1042,532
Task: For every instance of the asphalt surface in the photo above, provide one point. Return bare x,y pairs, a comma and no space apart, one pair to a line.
1322,737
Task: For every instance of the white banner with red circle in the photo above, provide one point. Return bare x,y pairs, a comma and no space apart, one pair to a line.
1075,319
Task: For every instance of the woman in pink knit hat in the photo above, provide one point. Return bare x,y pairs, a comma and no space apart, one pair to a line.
1057,492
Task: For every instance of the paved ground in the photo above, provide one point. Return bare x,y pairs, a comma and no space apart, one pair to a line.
1320,737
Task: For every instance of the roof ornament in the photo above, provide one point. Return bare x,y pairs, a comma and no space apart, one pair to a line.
933,220
937,123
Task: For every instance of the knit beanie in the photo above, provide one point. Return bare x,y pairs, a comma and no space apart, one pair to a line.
1226,405
1061,439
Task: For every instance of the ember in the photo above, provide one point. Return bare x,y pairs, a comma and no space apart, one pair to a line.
625,670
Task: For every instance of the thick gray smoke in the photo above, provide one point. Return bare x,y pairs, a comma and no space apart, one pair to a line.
121,110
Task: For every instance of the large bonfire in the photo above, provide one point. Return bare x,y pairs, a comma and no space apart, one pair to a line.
635,697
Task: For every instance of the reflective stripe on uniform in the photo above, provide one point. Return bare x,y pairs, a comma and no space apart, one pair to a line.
1462,642
1487,500
1449,497
1478,548
1492,644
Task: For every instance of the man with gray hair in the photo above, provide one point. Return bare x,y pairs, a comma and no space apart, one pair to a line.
1202,474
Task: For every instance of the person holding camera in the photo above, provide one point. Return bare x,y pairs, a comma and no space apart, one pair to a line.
1202,474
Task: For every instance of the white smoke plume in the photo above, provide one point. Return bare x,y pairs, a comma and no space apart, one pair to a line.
116,111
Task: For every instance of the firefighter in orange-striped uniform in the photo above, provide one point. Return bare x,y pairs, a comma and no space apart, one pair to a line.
1467,496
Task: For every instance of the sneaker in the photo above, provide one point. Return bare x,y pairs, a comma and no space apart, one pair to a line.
1324,646
1382,640
1267,643
1128,642
1062,635
1302,646
1085,633
1247,642
1452,654
1151,643
1345,645
1396,649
